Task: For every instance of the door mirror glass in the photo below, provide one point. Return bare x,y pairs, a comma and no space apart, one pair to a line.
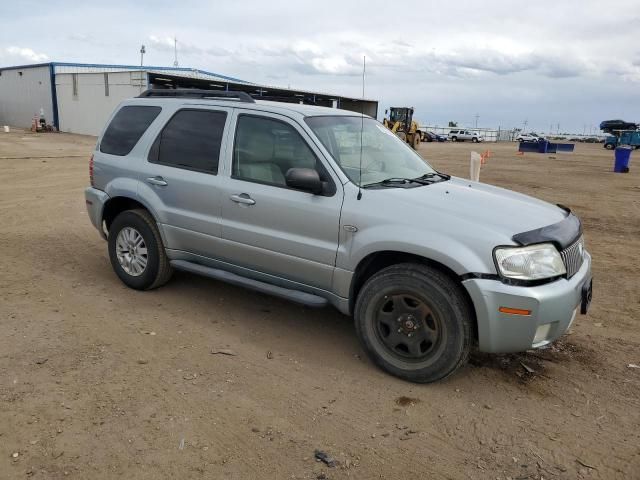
306,179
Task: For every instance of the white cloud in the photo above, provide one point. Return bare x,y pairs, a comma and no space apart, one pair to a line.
165,43
25,54
547,61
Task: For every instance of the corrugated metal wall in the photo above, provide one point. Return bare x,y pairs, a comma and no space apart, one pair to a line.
23,92
85,104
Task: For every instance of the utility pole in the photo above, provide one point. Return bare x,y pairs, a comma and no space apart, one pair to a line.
558,128
142,52
175,51
477,116
524,129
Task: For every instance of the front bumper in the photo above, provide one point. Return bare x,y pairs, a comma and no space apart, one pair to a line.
553,307
95,200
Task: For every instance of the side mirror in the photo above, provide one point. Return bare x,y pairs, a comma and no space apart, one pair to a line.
306,179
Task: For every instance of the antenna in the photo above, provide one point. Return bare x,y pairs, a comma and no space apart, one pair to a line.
175,51
364,67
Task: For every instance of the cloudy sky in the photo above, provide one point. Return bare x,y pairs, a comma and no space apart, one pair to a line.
572,63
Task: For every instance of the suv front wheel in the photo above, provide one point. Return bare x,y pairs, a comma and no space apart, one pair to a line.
414,322
136,251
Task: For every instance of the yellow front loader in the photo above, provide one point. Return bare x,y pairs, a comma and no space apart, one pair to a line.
401,123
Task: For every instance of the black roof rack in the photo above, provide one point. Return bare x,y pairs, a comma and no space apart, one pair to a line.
196,93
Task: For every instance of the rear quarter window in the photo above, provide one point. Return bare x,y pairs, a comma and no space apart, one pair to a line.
126,128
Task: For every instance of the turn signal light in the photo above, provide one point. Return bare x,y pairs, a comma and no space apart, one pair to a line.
514,311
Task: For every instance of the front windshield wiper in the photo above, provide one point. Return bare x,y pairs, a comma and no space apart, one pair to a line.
426,176
395,181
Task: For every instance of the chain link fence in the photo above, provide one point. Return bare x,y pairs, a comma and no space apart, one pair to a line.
489,134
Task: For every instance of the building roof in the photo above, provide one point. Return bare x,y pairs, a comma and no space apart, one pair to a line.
66,67
183,72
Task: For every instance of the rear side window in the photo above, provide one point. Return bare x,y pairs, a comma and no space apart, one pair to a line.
126,128
191,140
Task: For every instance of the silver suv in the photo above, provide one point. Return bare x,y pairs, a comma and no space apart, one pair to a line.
324,206
462,135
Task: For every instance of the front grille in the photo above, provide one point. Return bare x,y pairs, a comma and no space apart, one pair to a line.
573,256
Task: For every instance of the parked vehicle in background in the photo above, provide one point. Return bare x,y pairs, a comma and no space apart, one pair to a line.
462,135
610,142
631,138
611,126
528,137
428,136
276,198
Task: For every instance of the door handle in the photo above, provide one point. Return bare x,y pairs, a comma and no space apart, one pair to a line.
159,181
243,199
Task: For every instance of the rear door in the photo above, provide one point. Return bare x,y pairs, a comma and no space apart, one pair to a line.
267,226
180,177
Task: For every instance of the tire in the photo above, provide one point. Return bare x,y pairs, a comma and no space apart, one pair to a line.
157,270
454,139
441,339
474,140
609,146
415,141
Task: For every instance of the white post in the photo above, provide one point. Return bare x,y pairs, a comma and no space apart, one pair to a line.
474,166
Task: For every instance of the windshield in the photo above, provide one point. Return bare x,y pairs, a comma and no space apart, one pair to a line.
384,155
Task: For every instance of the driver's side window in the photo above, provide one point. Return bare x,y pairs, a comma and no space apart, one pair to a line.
265,149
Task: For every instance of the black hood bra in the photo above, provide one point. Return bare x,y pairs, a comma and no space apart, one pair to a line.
561,234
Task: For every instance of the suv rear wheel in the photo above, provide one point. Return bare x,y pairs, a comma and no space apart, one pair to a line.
414,322
454,139
136,251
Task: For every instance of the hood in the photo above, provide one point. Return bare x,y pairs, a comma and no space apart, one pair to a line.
456,222
475,209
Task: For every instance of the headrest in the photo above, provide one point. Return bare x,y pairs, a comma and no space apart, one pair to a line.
255,147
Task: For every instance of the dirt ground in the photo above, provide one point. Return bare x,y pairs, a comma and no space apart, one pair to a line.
99,381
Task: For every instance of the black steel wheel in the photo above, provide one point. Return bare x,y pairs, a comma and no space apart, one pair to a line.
414,322
408,327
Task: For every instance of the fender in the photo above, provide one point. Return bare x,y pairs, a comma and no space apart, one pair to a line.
122,187
436,246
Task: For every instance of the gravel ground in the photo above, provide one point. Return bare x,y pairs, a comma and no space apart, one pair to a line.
99,381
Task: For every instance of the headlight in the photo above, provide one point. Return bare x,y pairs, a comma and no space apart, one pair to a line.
534,262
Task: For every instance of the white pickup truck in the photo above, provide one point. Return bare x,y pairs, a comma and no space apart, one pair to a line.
462,135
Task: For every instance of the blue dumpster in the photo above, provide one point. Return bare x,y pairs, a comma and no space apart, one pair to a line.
622,157
543,146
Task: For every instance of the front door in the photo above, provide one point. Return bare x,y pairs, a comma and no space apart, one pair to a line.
267,226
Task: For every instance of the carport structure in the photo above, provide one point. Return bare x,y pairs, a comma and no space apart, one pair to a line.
79,97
